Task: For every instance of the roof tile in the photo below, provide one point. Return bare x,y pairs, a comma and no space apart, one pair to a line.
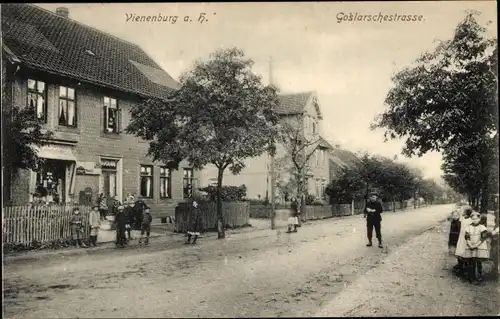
292,104
43,40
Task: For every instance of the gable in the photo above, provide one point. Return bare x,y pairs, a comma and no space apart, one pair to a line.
313,107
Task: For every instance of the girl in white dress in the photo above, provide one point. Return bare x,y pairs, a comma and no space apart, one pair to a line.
477,248
462,267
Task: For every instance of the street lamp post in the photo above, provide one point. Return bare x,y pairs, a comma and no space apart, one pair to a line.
273,186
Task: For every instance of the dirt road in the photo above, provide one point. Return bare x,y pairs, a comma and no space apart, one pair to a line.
251,274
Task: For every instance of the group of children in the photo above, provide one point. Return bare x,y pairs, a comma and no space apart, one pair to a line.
468,241
123,226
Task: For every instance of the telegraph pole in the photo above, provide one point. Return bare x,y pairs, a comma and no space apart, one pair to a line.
273,178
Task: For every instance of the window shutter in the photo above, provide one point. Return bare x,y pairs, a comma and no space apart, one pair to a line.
105,120
118,120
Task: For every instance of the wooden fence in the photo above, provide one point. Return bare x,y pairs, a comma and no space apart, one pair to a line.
23,225
260,211
236,214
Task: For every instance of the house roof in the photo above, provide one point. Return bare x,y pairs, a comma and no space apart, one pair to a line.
324,143
342,158
296,103
345,156
291,104
46,41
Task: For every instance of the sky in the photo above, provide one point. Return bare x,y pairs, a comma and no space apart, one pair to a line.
348,64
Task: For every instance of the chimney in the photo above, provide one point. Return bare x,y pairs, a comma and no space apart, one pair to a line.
63,12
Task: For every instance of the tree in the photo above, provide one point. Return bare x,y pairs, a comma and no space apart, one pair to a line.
22,132
392,180
299,147
430,190
347,185
447,102
221,115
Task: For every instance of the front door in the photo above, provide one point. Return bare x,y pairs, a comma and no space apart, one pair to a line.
51,182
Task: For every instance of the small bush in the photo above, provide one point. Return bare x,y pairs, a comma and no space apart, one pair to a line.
228,193
310,199
36,245
319,202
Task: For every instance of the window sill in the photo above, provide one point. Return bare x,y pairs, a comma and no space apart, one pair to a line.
111,135
68,129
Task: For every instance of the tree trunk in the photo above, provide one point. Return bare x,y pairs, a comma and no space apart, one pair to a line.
273,199
393,205
221,225
485,196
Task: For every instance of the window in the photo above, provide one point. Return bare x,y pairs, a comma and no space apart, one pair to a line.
165,183
318,188
37,97
213,182
109,173
111,115
188,182
147,181
67,107
323,185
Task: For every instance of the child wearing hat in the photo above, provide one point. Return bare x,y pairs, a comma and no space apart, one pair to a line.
95,224
372,213
146,225
121,220
76,223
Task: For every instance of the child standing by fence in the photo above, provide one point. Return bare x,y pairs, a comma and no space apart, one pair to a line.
95,224
146,225
76,223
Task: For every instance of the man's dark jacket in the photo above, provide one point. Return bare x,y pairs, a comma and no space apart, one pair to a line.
374,216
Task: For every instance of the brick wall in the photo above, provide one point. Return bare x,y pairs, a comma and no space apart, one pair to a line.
91,143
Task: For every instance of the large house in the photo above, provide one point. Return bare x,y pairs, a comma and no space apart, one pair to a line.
82,82
304,111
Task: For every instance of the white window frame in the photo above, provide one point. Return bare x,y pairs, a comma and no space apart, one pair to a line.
119,175
108,105
152,190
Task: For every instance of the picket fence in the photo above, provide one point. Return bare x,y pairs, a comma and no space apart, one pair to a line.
23,225
236,214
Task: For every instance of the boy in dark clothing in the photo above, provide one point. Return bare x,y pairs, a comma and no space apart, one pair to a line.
146,225
121,222
130,212
76,223
372,213
454,231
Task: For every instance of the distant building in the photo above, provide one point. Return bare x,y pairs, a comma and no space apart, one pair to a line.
304,108
83,83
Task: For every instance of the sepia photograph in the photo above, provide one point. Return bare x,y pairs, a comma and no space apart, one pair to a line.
250,159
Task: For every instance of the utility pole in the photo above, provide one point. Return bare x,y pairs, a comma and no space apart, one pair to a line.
273,178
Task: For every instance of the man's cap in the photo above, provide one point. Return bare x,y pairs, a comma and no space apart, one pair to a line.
121,207
373,194
95,206
76,209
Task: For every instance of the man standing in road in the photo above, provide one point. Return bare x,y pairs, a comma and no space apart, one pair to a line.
372,213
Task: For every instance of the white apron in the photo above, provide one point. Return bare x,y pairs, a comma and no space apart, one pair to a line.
462,244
